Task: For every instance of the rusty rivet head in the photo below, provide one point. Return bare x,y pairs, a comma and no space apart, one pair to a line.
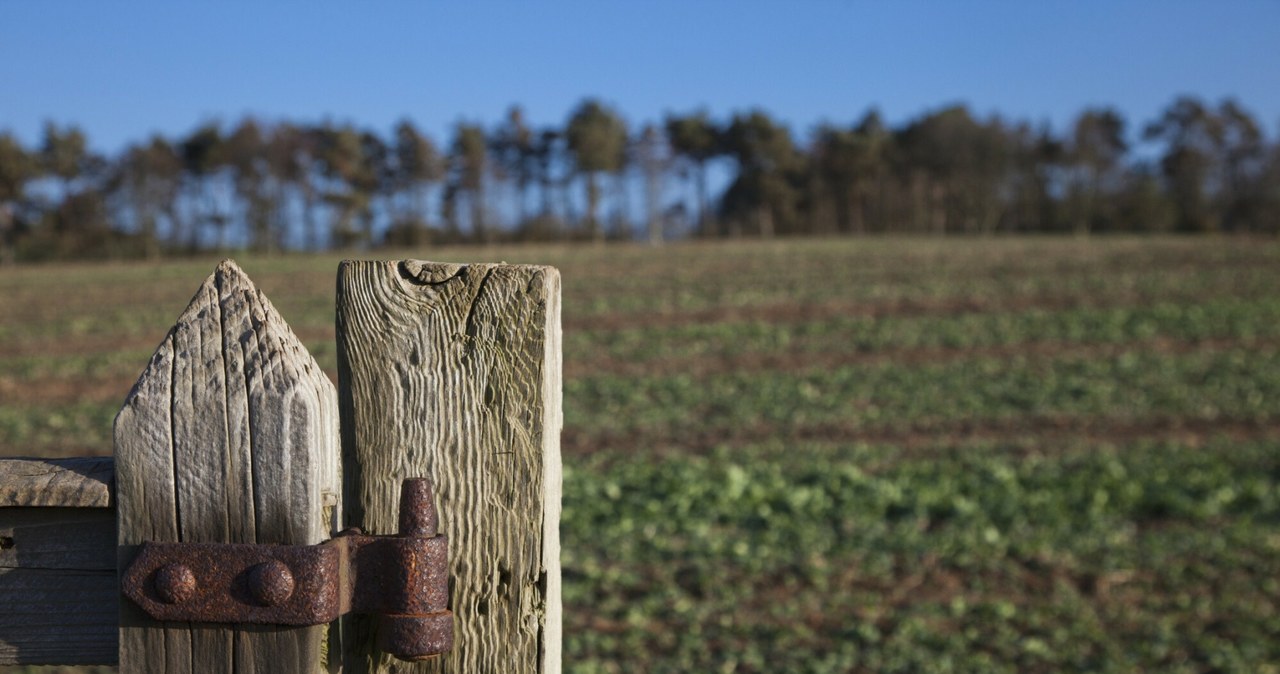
175,583
270,583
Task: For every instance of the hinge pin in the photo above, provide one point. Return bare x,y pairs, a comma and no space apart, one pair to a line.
418,517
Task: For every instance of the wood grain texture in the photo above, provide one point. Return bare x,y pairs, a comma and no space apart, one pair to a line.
453,372
66,483
230,435
58,583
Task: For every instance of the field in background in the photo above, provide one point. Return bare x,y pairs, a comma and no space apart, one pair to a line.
829,456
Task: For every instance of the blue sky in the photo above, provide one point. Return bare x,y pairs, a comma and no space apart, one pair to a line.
125,70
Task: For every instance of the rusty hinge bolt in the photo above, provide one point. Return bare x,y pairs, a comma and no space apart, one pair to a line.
270,583
402,579
175,583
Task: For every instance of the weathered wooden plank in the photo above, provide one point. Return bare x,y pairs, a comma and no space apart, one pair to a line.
57,562
67,483
230,435
58,584
453,372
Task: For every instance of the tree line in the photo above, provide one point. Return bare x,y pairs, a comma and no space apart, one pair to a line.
282,185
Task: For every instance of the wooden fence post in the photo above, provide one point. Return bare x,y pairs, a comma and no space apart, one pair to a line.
230,435
453,372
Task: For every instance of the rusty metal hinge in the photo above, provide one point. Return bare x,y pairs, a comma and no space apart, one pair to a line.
403,579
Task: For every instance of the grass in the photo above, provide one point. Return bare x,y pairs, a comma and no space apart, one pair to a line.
997,455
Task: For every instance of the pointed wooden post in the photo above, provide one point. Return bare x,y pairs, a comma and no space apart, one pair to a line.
453,372
230,435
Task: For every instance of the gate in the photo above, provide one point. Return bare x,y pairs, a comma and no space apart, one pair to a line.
233,435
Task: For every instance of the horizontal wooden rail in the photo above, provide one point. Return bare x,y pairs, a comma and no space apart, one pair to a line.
58,562
56,483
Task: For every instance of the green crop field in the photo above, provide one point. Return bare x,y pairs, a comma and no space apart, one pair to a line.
1005,455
